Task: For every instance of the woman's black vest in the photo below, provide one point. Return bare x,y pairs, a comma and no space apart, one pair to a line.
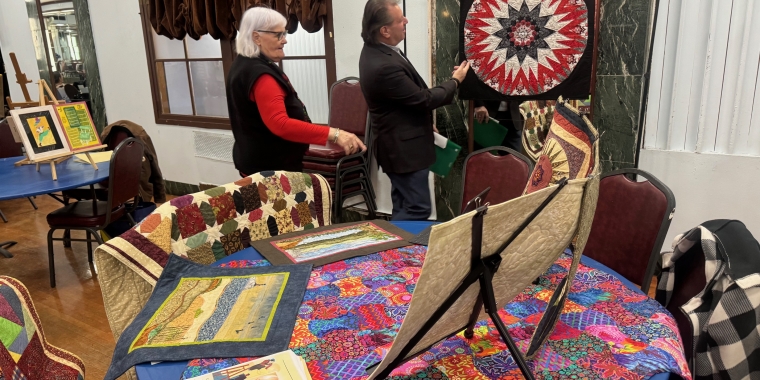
256,148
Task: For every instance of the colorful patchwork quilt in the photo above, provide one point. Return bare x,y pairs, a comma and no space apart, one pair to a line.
537,116
353,309
207,226
568,151
196,309
204,227
24,352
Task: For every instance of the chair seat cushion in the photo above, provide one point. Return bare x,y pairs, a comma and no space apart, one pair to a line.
83,214
331,152
325,167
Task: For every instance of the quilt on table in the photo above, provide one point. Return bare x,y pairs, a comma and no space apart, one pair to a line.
204,227
352,310
196,309
24,351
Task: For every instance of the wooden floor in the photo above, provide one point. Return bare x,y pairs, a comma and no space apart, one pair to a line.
72,314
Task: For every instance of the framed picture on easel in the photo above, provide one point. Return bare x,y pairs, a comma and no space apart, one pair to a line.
77,125
40,132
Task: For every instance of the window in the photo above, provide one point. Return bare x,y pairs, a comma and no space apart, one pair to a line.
188,77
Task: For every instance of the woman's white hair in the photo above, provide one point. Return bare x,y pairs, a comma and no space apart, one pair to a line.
258,18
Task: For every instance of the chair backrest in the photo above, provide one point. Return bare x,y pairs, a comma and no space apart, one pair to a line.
348,108
506,175
8,146
124,178
630,224
71,91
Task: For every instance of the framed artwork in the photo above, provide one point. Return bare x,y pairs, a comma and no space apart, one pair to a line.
332,243
77,125
40,132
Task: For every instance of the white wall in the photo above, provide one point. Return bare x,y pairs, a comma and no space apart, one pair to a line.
126,88
707,186
16,37
126,83
348,41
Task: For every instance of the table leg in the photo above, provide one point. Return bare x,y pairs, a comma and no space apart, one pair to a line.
4,251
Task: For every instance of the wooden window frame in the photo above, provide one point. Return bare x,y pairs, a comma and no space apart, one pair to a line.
228,55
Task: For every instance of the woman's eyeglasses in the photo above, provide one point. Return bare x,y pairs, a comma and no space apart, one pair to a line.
279,35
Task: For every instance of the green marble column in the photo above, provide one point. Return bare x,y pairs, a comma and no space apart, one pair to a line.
451,120
623,34
90,59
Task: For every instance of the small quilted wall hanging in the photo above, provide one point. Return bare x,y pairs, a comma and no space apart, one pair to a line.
527,49
195,310
332,243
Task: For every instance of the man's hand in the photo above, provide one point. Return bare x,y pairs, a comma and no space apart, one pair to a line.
435,129
460,71
481,114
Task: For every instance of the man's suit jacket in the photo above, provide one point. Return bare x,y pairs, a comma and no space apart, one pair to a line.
401,109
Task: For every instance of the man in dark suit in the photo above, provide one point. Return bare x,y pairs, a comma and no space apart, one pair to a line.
401,108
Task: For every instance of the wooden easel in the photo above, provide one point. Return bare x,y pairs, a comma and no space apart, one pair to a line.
22,81
58,158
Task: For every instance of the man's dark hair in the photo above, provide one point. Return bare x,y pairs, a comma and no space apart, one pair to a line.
376,15
56,77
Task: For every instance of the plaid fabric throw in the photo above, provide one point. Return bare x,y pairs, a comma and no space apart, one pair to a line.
725,315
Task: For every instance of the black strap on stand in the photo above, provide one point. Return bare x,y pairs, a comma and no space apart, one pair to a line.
481,270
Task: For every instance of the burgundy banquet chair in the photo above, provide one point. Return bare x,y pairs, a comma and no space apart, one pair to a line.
630,224
9,148
347,175
94,215
506,175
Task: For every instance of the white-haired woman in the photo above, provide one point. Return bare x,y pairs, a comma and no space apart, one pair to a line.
271,126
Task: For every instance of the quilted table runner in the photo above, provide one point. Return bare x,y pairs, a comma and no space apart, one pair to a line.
352,310
195,310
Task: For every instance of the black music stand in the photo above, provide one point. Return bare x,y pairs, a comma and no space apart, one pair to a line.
481,270
3,248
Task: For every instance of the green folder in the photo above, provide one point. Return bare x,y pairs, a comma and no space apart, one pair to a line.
490,133
444,157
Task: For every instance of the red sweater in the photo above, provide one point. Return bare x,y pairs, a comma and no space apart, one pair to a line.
270,98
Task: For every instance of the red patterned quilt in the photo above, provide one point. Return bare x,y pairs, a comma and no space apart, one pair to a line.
353,308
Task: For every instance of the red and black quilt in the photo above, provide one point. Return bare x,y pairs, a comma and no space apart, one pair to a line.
527,49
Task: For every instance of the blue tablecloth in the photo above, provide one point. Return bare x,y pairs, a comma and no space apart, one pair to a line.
174,370
25,181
